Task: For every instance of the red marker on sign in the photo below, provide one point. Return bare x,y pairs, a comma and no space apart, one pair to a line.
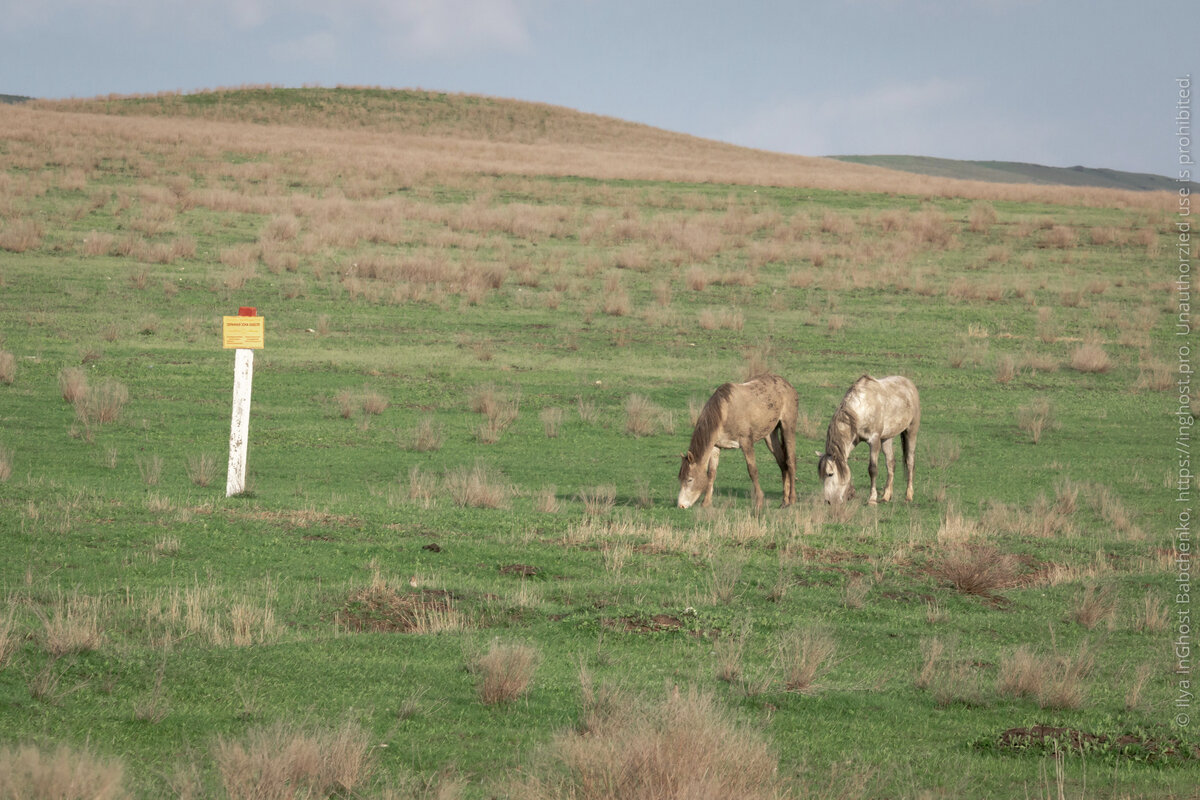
247,311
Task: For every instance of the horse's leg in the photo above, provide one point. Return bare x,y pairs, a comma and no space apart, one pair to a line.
784,453
752,468
909,440
713,459
873,469
789,444
889,453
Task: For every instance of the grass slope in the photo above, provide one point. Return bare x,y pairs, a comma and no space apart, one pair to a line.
1016,172
459,564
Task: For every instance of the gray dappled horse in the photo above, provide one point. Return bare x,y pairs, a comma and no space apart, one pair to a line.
875,412
736,416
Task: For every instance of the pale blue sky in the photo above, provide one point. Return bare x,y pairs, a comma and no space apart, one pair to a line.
1059,83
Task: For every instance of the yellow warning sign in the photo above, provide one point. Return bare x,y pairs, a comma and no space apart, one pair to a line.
243,333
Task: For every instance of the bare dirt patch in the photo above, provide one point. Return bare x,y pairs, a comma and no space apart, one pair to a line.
1148,746
386,610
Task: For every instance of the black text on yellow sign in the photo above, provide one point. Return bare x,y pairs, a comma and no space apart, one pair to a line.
243,333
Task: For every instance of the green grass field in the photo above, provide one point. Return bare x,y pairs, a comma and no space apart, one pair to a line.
464,442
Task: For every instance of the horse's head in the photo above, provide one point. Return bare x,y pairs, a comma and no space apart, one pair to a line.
835,476
693,480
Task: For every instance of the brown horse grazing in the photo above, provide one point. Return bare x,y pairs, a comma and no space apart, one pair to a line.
737,416
873,411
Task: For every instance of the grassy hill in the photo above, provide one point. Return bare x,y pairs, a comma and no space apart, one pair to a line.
570,142
1017,172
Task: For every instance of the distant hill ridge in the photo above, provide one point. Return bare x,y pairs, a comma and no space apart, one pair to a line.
539,135
1017,172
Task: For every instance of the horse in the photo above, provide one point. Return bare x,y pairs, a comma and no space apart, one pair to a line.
736,416
873,411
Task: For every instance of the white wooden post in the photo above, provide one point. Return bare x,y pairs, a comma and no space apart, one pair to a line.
239,433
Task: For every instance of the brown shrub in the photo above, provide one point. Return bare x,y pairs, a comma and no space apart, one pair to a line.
27,771
73,625
279,762
426,437
949,679
642,416
552,420
1090,357
981,217
805,654
696,278
1022,673
1062,237
20,235
8,367
1152,614
201,468
476,487
101,403
505,672
1035,418
684,747
1093,606
598,500
374,403
975,569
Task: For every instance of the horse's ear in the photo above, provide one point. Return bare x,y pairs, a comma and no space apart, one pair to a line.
686,456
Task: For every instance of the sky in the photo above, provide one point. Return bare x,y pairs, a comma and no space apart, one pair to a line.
1056,82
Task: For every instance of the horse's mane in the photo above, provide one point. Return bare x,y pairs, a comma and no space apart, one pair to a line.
845,421
711,417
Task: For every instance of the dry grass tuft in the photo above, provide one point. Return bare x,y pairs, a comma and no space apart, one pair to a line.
1090,357
73,625
1022,673
1035,418
975,569
685,746
201,468
8,367
10,640
72,384
1094,606
427,437
279,762
552,420
1065,686
598,500
505,672
373,403
1054,681
730,649
6,464
951,680
1152,614
150,467
478,487
805,654
1061,237
981,217
500,410
27,771
102,403
643,417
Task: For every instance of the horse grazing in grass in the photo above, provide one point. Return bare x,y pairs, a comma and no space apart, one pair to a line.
737,416
873,411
